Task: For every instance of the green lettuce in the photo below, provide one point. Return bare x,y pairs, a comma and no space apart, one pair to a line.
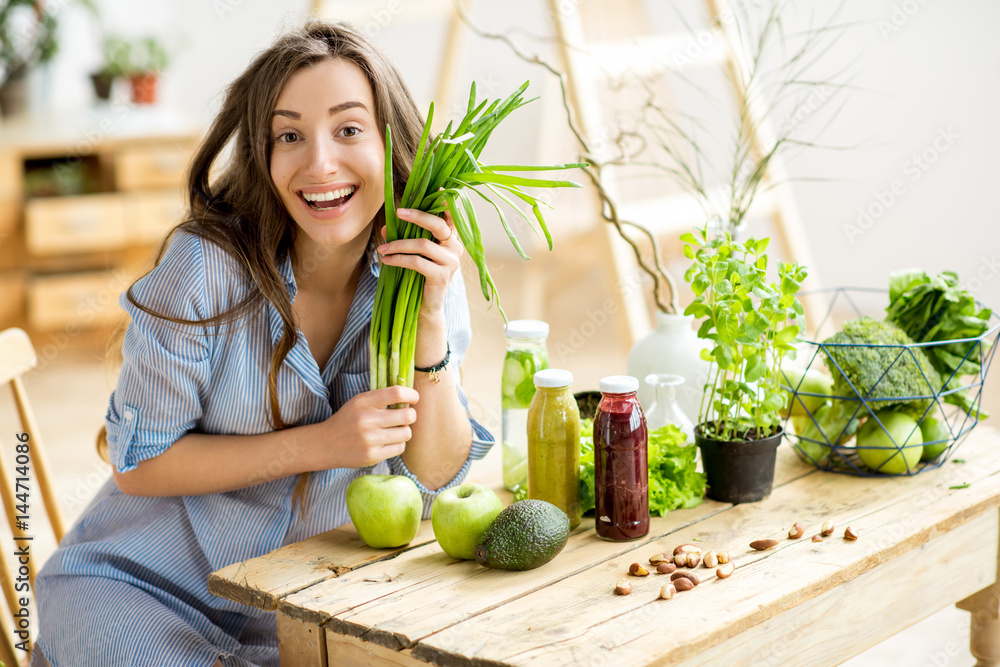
673,481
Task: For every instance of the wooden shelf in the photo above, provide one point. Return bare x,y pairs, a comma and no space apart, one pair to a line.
114,191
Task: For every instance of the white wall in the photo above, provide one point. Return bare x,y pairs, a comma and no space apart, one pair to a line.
924,119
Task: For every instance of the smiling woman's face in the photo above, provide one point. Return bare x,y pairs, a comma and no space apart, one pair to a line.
328,153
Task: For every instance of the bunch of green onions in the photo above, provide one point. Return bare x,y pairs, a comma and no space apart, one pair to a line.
445,169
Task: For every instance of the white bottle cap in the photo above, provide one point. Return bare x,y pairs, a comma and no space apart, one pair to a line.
619,384
553,377
527,329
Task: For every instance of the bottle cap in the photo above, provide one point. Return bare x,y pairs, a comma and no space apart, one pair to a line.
553,377
619,384
527,329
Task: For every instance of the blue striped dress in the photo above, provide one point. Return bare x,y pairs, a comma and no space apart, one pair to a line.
127,585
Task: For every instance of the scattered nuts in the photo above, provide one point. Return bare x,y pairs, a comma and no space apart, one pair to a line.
623,587
796,531
723,557
817,538
686,549
826,529
850,533
690,576
723,571
693,560
637,570
667,591
683,584
656,559
762,545
666,568
710,560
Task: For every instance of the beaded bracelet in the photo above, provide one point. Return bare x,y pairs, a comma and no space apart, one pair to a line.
436,369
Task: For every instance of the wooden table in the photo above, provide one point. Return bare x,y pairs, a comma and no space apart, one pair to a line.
926,542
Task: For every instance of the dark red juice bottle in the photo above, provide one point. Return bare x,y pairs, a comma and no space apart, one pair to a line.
621,483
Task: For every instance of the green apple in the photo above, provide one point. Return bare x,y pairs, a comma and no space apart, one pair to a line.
385,509
894,450
805,380
460,515
932,429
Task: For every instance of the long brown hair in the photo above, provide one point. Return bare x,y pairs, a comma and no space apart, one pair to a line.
241,210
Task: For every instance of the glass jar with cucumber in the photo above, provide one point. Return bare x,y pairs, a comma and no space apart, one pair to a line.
526,354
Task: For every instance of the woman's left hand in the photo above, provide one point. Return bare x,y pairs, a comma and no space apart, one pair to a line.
437,259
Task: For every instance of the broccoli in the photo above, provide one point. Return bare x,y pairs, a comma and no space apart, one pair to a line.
883,376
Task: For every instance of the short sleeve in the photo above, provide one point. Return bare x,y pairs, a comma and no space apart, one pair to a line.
165,368
459,328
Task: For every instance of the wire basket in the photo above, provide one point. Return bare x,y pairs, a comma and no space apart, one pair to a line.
824,428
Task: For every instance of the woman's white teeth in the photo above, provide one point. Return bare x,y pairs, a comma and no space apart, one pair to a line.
327,196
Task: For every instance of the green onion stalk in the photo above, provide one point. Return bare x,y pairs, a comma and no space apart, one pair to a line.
445,170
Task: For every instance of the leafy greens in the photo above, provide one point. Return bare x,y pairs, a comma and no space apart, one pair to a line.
936,308
674,483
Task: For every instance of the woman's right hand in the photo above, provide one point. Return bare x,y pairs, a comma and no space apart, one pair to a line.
366,430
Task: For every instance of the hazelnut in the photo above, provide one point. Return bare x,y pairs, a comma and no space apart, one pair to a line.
623,587
850,533
817,538
796,531
826,529
710,560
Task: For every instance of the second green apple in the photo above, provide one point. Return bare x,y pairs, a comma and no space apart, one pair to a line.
461,515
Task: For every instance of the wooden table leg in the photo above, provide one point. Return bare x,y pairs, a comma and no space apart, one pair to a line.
300,644
984,607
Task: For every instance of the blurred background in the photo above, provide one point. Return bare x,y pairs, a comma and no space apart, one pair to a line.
898,113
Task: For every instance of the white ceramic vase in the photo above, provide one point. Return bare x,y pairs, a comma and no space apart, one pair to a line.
672,347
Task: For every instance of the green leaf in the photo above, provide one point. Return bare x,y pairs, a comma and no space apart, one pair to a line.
755,369
729,327
787,335
773,402
723,356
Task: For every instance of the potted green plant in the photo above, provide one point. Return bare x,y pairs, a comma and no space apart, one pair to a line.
146,58
27,38
751,326
116,52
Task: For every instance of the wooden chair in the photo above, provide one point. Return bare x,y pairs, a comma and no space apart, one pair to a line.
17,357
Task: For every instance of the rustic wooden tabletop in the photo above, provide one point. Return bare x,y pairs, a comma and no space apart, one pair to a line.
926,541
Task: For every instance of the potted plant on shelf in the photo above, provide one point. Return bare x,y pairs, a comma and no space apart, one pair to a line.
116,63
146,58
27,38
751,326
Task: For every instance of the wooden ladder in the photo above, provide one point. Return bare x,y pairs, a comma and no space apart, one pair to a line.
600,243
656,54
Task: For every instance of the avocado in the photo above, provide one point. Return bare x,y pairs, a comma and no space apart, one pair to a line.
525,535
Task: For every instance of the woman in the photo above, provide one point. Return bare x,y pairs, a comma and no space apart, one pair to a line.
243,409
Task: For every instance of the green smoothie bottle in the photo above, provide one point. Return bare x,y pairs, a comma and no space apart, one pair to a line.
526,354
554,443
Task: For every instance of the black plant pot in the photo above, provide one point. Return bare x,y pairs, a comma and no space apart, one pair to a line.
102,85
739,471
